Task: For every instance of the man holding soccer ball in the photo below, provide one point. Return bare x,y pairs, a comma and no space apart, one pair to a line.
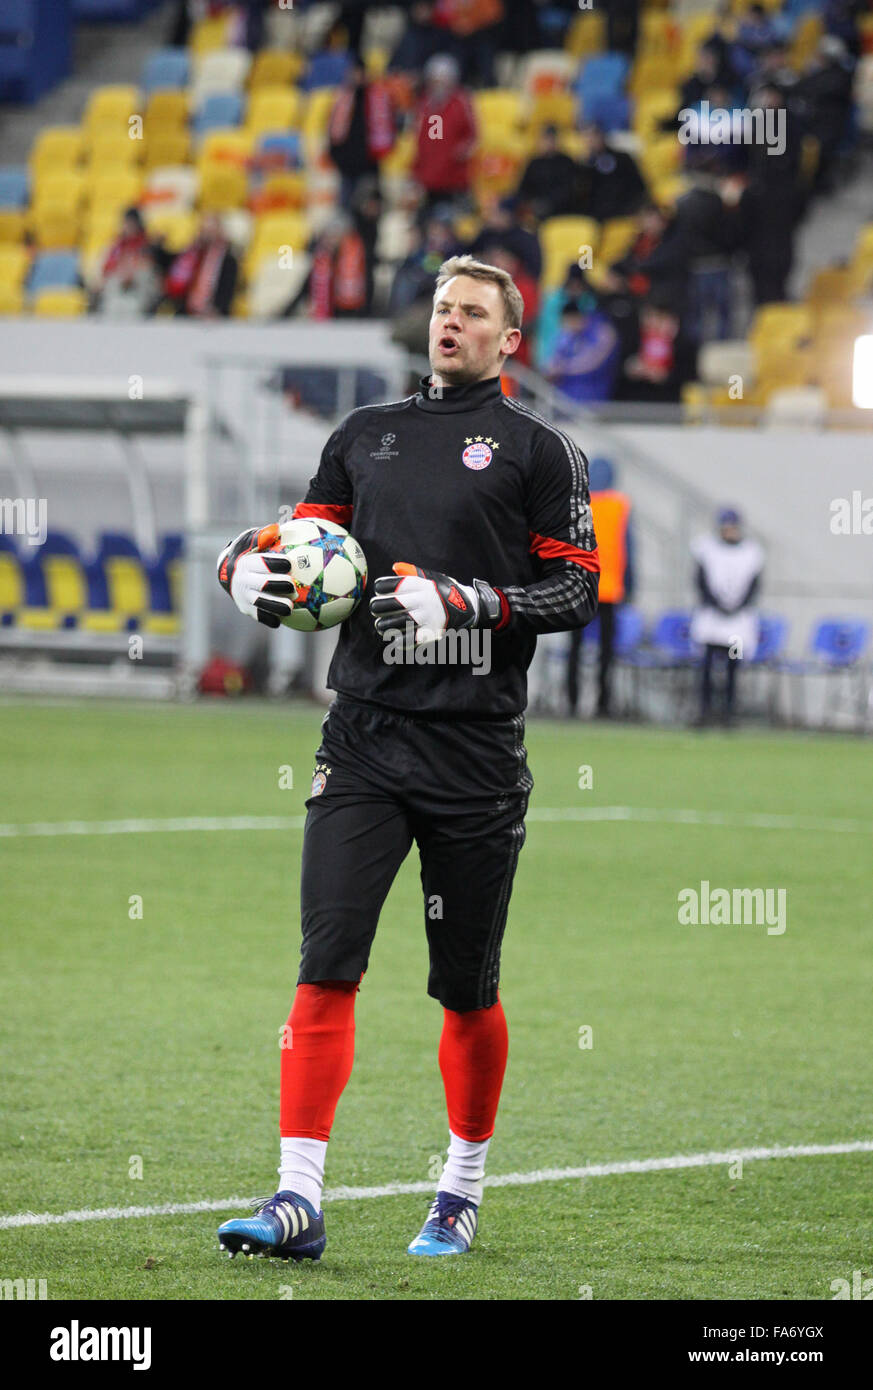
473,513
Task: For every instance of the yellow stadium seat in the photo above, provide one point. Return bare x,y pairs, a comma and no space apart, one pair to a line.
110,149
110,108
274,231
666,192
661,157
209,34
167,107
399,159
11,583
651,109
65,189
807,33
14,263
499,111
65,583
178,229
696,29
56,147
67,303
275,67
563,240
552,108
785,323
586,35
616,238
113,190
280,190
274,108
127,585
864,240
165,146
54,227
222,187
13,225
658,34
830,286
11,300
316,113
651,74
230,146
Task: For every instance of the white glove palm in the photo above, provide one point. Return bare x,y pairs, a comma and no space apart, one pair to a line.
258,579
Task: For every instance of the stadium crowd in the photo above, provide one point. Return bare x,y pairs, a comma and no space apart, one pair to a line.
631,331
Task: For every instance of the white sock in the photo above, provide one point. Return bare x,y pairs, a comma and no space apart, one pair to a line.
465,1168
301,1168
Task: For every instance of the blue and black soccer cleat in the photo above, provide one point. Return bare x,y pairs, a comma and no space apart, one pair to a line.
286,1226
449,1228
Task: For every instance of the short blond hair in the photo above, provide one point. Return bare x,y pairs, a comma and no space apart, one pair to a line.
513,304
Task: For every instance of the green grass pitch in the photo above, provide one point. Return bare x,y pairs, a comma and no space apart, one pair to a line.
157,1037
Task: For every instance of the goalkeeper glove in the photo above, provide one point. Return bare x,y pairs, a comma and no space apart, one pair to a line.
434,602
258,579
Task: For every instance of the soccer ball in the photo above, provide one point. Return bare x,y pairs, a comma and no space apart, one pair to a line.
329,569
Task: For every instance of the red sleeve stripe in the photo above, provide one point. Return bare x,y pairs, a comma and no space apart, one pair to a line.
342,515
562,550
505,610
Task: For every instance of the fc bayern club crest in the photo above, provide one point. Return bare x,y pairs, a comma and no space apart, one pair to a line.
477,455
319,782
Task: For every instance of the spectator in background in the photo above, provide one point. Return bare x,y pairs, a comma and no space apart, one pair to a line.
611,183
503,228
771,205
823,97
129,280
611,512
548,184
360,130
420,40
622,24
727,575
336,285
528,288
548,327
664,360
657,260
585,360
411,301
708,226
445,135
475,26
201,281
756,32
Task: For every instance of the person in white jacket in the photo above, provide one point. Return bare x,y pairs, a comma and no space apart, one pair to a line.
729,566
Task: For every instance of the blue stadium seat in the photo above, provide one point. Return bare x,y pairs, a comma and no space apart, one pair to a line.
281,149
772,637
172,547
54,270
840,642
217,111
14,186
325,70
610,110
115,10
168,67
605,73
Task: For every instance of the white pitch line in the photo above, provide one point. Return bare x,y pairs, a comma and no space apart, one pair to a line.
751,820
403,1189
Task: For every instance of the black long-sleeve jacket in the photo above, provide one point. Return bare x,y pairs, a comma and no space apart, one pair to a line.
470,482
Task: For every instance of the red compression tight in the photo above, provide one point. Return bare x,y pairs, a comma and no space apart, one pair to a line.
472,1056
317,1055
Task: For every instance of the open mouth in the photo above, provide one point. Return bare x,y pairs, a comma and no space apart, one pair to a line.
449,346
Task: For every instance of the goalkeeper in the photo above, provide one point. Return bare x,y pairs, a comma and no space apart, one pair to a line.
473,512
